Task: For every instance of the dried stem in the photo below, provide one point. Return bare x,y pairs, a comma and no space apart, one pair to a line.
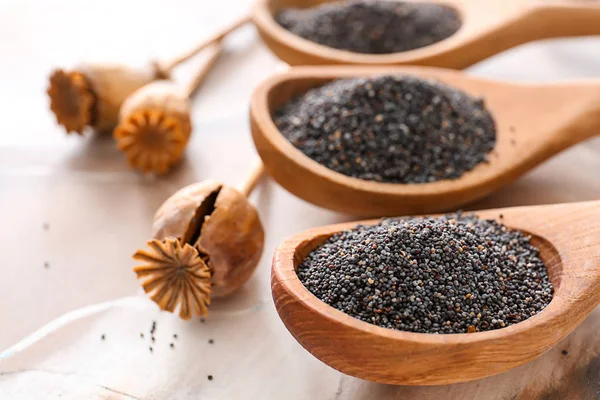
206,68
252,180
204,44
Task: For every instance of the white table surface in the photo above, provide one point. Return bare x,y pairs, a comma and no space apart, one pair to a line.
99,212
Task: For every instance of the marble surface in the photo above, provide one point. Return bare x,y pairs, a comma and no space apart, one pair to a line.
73,203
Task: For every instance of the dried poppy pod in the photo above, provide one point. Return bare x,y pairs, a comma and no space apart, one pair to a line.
154,127
155,124
91,95
207,242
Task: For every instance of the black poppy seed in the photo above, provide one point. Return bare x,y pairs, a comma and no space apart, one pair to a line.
565,352
370,26
497,279
151,350
46,265
210,377
141,335
152,338
391,128
172,345
103,336
211,341
175,336
202,320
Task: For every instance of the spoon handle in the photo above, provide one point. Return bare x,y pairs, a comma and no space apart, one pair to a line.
563,18
572,109
587,94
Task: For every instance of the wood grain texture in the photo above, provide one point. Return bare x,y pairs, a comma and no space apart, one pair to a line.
533,123
568,236
489,27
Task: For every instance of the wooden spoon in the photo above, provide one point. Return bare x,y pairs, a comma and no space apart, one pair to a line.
489,27
533,122
568,236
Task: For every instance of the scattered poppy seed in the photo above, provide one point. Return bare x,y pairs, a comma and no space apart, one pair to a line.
211,341
429,131
103,337
172,345
565,352
210,377
141,335
202,320
175,336
416,290
151,350
372,27
46,265
152,339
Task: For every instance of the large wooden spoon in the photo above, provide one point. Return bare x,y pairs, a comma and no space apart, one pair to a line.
533,122
568,236
489,27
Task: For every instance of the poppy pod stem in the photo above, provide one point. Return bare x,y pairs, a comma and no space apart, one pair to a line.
216,37
199,78
255,176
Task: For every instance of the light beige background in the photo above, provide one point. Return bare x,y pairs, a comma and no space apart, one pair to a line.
99,212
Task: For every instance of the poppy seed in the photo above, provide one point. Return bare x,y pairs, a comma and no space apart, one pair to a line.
496,280
372,27
391,128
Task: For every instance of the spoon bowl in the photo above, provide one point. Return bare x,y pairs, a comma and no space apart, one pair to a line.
568,237
533,123
488,27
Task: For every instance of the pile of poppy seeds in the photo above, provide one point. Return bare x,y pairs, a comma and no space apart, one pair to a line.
391,128
372,27
451,274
